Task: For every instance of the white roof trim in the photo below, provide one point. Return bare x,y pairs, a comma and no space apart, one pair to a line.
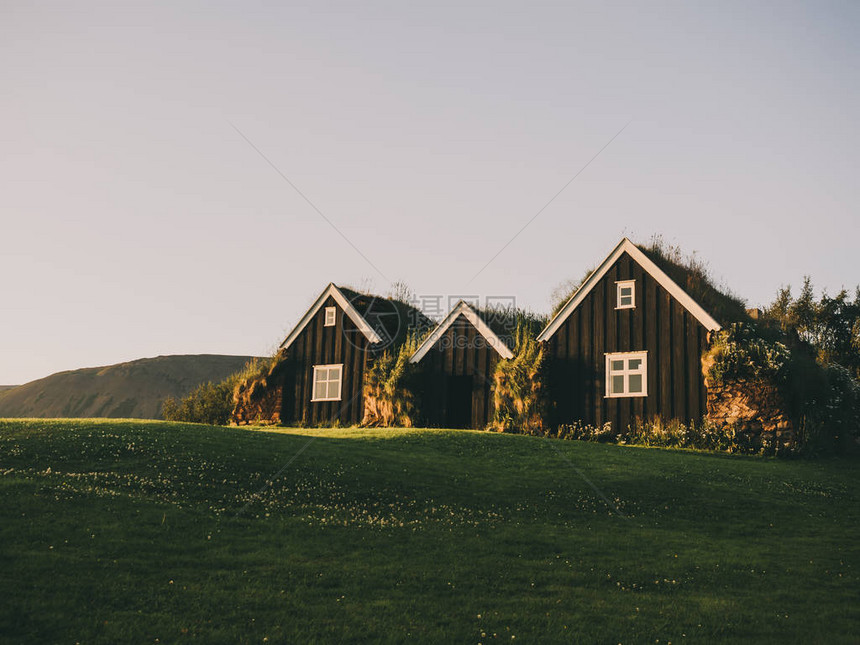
332,290
648,265
477,322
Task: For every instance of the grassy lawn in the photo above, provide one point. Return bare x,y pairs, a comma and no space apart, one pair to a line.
151,532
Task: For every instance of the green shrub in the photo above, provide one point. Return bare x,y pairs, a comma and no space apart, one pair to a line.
740,351
823,399
210,403
518,383
583,432
828,403
664,434
390,386
213,402
822,377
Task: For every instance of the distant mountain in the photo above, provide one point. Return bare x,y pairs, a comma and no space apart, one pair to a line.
134,389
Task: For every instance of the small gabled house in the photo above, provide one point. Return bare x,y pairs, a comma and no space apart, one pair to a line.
627,345
457,362
319,375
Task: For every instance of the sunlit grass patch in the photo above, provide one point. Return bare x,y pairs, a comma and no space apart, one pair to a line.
132,531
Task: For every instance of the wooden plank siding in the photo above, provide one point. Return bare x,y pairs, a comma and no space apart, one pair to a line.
317,344
460,352
659,324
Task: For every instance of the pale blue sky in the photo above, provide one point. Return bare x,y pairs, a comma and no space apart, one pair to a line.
136,221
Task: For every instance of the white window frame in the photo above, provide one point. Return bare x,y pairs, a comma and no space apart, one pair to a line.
622,284
626,373
330,316
327,381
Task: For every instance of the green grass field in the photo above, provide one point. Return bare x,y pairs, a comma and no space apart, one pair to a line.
151,532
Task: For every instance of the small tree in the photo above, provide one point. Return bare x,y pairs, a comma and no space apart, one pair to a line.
803,314
831,325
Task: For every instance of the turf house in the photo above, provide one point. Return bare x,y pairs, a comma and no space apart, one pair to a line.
457,361
628,344
319,375
645,337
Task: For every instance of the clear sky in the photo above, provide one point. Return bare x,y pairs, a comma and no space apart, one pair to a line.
137,220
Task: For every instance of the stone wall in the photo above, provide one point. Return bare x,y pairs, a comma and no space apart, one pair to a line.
755,408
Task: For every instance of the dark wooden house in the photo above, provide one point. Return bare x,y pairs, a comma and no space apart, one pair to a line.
627,345
457,361
326,356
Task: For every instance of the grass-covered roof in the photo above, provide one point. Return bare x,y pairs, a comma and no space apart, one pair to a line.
504,322
692,275
391,318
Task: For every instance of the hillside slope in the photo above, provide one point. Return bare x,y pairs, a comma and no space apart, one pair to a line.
146,531
134,389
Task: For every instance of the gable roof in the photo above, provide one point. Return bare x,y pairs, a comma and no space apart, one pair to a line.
345,304
462,308
626,246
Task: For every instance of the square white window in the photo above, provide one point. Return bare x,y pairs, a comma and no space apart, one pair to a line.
327,382
627,374
330,316
625,294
